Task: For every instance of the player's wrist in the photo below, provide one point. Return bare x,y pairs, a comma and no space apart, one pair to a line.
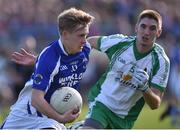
61,118
146,88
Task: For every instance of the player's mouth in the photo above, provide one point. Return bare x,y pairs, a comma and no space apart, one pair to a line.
143,45
145,39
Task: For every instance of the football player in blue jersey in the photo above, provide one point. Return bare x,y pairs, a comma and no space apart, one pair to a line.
137,74
61,64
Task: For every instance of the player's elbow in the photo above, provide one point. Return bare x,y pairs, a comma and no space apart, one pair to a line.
33,102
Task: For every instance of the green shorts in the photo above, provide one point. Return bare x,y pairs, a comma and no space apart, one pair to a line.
107,118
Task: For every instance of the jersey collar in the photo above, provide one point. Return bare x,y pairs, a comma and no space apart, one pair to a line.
139,55
62,47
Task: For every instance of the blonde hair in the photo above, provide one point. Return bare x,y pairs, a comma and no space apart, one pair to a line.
71,18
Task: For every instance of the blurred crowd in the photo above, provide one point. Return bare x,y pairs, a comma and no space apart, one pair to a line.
31,24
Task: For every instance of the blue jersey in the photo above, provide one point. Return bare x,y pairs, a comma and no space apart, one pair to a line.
54,69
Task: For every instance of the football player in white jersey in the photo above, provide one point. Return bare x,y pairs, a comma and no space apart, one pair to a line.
66,57
137,74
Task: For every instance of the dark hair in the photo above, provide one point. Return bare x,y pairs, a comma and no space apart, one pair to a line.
69,19
151,14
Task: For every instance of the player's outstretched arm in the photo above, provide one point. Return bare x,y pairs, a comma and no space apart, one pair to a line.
23,58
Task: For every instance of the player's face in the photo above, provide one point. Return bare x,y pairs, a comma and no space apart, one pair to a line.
75,40
147,31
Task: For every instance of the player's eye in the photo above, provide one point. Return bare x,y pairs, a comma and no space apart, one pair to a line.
143,26
83,35
152,28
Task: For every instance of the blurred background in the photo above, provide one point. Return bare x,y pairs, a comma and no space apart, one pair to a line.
32,24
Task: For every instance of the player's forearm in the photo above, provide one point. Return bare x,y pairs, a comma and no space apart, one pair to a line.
44,107
152,99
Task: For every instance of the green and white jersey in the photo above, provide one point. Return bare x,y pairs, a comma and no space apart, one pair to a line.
121,98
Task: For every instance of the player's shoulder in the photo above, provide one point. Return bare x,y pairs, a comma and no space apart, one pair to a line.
121,36
52,47
49,52
118,38
159,50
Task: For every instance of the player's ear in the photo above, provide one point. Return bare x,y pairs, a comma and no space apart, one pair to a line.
65,34
159,32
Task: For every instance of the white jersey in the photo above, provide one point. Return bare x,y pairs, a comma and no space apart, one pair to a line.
120,97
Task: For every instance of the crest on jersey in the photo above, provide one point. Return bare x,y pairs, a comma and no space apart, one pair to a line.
38,78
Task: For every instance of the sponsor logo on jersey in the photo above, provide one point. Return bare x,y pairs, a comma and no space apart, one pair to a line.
120,59
127,83
63,67
70,80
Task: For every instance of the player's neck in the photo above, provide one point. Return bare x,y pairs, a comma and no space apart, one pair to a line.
141,48
66,47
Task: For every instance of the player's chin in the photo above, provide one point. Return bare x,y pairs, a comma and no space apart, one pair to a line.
79,49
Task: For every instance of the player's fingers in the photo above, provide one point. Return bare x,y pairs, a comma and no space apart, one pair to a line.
17,56
16,61
70,111
23,51
76,110
76,115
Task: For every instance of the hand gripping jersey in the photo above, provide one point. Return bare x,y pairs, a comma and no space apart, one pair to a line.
120,97
54,69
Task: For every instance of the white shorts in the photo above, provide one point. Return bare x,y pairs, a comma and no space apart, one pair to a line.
24,121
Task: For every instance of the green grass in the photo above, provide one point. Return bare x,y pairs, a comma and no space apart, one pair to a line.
148,119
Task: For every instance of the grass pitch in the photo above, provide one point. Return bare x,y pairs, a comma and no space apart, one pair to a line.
148,119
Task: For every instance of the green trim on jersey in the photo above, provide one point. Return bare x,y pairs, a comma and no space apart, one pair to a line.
95,90
114,48
162,89
156,64
118,49
139,55
114,51
167,62
121,46
99,43
135,110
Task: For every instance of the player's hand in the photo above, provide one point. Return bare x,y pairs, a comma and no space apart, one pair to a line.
70,115
140,79
23,58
